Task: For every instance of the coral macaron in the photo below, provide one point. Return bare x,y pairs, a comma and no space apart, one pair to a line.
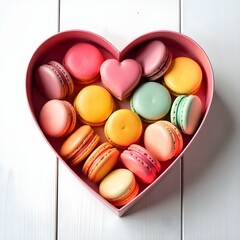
119,187
155,59
53,80
57,118
163,140
100,162
93,105
83,61
123,128
79,145
141,162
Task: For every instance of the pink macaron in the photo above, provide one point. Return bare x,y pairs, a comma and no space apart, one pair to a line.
155,59
83,61
120,78
163,140
57,118
141,162
53,80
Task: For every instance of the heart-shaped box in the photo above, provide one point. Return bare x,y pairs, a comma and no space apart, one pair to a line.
55,48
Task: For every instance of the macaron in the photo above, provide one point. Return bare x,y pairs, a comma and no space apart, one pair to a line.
120,78
57,118
100,162
151,101
83,61
79,145
163,140
119,187
186,113
184,76
155,59
123,128
53,80
141,162
93,105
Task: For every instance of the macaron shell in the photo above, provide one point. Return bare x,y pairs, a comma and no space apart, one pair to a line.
190,114
83,61
174,109
151,101
160,141
123,128
184,76
55,119
93,105
118,185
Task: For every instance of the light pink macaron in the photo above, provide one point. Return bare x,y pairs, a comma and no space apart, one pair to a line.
141,162
155,59
57,118
163,140
53,80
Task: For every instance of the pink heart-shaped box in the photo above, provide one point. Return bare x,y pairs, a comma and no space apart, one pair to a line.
55,48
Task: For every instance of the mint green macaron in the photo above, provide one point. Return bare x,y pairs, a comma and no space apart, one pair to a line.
151,101
186,113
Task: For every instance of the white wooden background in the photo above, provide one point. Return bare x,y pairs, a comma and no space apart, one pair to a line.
41,199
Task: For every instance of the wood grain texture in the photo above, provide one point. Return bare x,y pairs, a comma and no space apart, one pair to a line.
212,166
27,166
81,215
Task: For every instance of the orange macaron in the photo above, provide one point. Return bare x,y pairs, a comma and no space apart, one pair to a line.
79,145
100,162
123,128
93,105
119,187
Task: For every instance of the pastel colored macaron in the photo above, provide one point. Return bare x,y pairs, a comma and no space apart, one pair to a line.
100,162
79,145
57,118
120,78
93,105
186,113
163,140
141,162
119,187
123,128
151,101
83,61
155,59
183,77
53,80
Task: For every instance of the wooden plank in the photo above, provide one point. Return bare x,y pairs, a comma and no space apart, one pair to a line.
27,165
81,215
211,166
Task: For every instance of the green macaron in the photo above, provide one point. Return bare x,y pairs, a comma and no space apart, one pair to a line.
151,101
186,112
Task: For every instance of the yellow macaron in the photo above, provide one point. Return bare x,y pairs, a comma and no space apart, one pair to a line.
123,128
93,105
183,77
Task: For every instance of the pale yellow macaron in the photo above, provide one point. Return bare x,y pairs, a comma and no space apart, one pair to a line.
123,128
183,77
93,105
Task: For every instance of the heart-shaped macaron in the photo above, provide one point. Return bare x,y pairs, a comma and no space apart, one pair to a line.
120,78
55,48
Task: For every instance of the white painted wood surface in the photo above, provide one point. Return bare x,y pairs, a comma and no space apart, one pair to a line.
29,207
